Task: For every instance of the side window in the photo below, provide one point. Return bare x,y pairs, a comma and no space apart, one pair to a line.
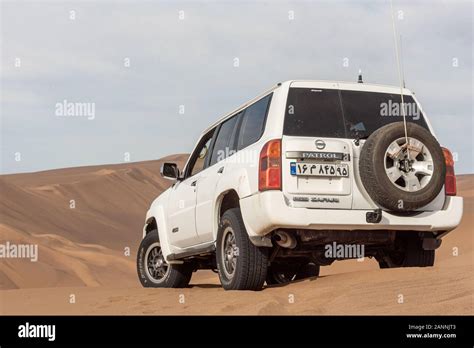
201,158
253,122
222,145
200,154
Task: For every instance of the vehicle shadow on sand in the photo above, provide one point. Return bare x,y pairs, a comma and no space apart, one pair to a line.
205,286
217,286
312,279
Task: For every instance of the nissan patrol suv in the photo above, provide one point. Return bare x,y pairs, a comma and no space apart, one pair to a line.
272,186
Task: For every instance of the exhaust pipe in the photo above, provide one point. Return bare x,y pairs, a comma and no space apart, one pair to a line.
285,240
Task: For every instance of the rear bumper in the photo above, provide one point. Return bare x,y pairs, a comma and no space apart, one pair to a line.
267,211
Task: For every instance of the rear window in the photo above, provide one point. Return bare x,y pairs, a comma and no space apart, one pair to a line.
345,114
253,122
222,148
314,112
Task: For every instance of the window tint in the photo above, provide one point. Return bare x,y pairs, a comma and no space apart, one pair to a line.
200,155
314,112
365,112
222,145
338,114
253,122
233,138
201,158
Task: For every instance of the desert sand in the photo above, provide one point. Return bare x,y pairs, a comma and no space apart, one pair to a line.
85,220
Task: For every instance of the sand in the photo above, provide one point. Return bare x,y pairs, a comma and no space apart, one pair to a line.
87,222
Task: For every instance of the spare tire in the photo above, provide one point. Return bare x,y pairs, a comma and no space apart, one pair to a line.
399,177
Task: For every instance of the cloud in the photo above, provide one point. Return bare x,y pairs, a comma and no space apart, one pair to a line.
190,62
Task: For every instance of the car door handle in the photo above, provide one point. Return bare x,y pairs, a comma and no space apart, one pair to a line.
194,183
221,170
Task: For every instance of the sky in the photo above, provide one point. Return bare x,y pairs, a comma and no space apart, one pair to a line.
155,74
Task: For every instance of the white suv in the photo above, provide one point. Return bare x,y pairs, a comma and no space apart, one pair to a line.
289,181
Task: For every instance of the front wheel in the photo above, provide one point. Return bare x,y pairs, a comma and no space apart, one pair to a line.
154,271
241,265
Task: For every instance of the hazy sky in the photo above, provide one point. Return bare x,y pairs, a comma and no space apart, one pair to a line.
138,61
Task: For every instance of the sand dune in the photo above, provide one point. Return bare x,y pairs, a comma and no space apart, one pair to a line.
83,219
82,251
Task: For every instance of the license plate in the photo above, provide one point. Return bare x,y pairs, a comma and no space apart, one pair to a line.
319,169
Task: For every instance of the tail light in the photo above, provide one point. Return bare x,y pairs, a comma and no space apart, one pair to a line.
269,171
450,180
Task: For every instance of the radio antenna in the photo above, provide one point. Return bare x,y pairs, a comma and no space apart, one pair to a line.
400,78
401,61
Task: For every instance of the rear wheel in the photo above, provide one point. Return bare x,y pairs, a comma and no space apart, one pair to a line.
154,271
411,254
308,271
241,265
279,273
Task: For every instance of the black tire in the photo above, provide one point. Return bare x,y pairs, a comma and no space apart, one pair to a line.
376,180
412,255
176,276
420,258
278,273
309,270
249,270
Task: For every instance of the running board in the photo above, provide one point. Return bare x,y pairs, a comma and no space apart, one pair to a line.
194,252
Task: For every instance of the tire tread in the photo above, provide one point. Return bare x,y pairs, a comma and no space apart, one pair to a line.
252,260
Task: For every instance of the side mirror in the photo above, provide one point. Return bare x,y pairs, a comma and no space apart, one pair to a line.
169,171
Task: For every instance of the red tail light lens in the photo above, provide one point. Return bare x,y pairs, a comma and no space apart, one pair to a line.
450,180
269,171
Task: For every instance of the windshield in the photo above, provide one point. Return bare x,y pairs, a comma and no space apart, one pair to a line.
336,113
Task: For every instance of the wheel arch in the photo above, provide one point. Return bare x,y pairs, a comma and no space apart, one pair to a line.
155,220
226,200
150,225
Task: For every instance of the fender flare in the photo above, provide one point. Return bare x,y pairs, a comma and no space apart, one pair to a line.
157,214
224,186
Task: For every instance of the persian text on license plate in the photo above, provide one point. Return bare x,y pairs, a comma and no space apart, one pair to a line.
319,169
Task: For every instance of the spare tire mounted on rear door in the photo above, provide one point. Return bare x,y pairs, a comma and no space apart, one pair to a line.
400,177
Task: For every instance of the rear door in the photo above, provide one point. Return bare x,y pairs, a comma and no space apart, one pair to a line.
317,157
222,147
323,133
